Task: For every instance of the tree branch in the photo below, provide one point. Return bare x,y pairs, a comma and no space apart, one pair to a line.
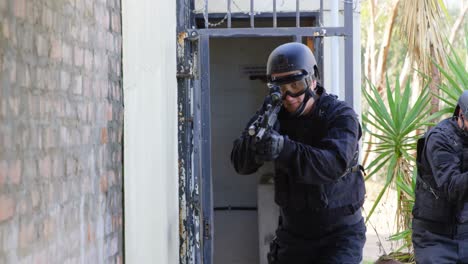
457,24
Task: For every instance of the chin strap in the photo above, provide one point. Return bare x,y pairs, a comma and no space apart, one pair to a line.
463,127
309,93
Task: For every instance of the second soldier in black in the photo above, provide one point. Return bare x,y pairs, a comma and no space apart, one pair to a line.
318,182
440,224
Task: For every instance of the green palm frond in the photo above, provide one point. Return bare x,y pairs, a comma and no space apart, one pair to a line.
395,123
454,83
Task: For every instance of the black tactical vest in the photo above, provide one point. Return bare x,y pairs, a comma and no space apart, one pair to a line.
431,202
342,197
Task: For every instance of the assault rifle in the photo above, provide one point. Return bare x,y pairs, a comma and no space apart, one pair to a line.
267,119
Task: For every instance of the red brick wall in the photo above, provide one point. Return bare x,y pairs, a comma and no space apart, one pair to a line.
61,121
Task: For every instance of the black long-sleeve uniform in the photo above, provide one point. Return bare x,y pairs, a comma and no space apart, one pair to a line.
313,180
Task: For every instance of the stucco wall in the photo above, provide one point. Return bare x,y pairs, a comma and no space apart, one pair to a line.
150,92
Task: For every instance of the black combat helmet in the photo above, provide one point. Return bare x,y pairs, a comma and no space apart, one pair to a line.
292,57
462,105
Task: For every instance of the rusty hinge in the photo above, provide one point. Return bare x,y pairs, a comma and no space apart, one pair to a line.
186,75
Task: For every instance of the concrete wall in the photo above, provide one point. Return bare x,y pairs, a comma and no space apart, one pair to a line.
151,172
61,117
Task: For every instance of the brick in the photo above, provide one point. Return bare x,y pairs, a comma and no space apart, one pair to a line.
14,172
64,80
33,13
84,34
109,41
40,82
7,207
10,66
27,234
112,178
42,46
89,7
114,246
88,60
91,235
70,166
67,57
47,18
41,257
103,183
3,171
35,198
82,114
64,136
48,228
119,259
6,29
109,112
105,19
116,22
24,78
45,165
3,4
25,36
78,84
19,8
91,111
78,56
56,49
49,135
14,106
30,169
104,135
4,107
58,167
79,4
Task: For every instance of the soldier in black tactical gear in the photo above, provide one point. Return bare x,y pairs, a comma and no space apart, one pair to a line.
440,223
319,185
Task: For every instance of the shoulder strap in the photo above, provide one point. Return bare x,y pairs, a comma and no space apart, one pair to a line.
421,150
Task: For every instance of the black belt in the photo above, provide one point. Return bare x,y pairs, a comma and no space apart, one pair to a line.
441,228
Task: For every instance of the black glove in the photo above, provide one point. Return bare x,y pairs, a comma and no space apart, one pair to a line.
269,147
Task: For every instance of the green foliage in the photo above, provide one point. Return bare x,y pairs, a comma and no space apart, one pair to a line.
455,82
396,123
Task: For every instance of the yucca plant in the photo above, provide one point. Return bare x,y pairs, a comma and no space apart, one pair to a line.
395,124
455,80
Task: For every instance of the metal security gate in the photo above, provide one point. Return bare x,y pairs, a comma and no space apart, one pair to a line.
193,73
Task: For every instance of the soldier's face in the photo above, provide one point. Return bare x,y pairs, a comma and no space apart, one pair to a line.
462,122
290,102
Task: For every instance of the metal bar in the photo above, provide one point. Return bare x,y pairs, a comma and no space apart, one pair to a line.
298,17
206,181
321,13
349,61
252,23
318,43
274,14
189,217
229,13
265,16
235,208
205,14
274,32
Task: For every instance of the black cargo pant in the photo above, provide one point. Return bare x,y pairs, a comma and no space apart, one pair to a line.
435,248
338,243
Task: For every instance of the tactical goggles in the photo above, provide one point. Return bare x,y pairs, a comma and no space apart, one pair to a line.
293,85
